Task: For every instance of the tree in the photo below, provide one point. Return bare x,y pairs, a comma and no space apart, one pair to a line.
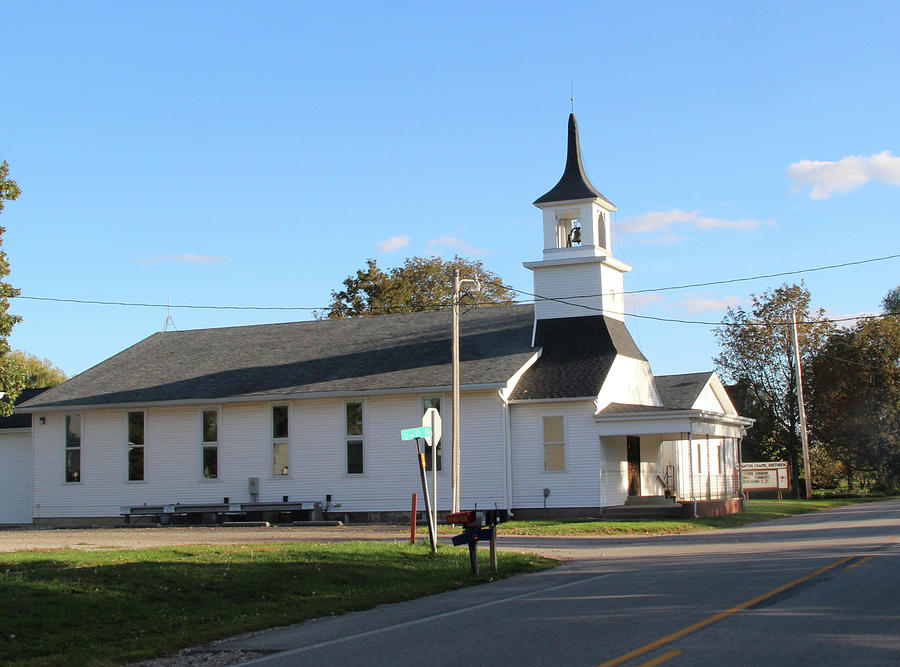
11,375
421,283
891,301
38,372
757,352
855,398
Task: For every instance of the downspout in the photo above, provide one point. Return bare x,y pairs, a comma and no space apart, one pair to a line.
691,467
507,458
740,458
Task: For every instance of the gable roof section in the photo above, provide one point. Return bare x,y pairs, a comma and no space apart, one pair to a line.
681,391
577,355
387,352
574,183
18,419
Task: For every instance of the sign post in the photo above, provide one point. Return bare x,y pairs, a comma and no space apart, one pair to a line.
416,434
432,419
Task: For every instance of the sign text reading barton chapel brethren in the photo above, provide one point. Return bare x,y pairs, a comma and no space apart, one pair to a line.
765,476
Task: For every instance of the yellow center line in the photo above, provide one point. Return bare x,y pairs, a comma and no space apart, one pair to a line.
625,657
859,562
660,659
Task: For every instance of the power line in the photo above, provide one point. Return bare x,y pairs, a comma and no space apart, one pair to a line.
568,300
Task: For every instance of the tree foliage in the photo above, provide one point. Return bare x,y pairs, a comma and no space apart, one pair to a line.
757,354
37,372
891,301
11,375
421,283
854,400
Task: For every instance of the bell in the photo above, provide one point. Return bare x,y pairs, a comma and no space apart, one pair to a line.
576,235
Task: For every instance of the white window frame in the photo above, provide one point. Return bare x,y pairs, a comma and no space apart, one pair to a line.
544,443
348,438
79,448
211,444
286,441
129,446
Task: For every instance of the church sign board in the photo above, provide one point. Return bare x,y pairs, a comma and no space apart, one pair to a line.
765,476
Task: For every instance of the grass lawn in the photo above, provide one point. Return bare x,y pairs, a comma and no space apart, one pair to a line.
110,607
756,510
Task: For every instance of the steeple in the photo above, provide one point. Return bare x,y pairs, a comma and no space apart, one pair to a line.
574,183
577,258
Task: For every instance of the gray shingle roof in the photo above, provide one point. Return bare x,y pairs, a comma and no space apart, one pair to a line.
681,391
574,183
577,355
18,419
362,354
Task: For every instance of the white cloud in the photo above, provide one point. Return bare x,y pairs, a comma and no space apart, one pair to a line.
845,175
393,243
704,303
636,302
194,259
655,221
457,244
660,221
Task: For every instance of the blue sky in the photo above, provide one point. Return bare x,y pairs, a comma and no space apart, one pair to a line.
255,154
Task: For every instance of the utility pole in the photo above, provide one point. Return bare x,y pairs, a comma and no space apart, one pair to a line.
455,476
454,481
798,373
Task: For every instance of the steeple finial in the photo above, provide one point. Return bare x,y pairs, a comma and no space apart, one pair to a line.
574,183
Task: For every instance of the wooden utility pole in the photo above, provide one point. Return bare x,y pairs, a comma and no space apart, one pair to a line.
798,374
455,399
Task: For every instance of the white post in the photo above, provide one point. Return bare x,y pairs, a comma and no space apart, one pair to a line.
455,400
800,404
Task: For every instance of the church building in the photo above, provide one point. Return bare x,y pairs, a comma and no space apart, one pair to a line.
560,413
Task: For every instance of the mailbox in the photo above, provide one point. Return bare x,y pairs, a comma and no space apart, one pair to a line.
464,518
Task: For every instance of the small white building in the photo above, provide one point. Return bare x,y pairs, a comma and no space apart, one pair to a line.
559,408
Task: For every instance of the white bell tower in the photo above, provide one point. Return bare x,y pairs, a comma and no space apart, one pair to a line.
578,266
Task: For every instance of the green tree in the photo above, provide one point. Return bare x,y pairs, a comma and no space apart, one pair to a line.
757,353
891,301
11,375
854,402
38,372
421,283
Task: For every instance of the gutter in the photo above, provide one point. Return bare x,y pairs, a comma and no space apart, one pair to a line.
256,398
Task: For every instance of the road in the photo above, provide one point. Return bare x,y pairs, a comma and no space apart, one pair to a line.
818,589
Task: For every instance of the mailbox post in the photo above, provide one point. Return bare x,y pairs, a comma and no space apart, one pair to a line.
477,527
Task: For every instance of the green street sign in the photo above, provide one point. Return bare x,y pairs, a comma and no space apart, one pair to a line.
413,433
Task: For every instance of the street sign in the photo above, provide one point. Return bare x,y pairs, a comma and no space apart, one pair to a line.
432,419
413,433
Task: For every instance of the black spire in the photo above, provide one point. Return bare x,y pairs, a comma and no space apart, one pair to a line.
574,183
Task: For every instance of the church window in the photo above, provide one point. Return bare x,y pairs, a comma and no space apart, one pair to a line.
554,443
281,449
73,448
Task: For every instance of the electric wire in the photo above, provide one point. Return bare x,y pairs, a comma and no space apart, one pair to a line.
568,300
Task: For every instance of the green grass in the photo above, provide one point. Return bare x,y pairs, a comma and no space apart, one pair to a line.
756,510
111,607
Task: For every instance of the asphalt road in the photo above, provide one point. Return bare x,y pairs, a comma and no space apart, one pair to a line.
817,589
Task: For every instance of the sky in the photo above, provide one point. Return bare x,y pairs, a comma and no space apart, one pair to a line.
256,154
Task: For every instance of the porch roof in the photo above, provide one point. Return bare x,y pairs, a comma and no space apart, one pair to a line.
625,419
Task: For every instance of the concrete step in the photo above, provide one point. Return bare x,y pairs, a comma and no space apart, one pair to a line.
639,501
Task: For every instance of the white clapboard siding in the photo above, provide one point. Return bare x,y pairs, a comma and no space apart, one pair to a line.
581,483
172,457
15,464
628,381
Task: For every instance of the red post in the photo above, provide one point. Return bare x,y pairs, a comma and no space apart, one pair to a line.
412,527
